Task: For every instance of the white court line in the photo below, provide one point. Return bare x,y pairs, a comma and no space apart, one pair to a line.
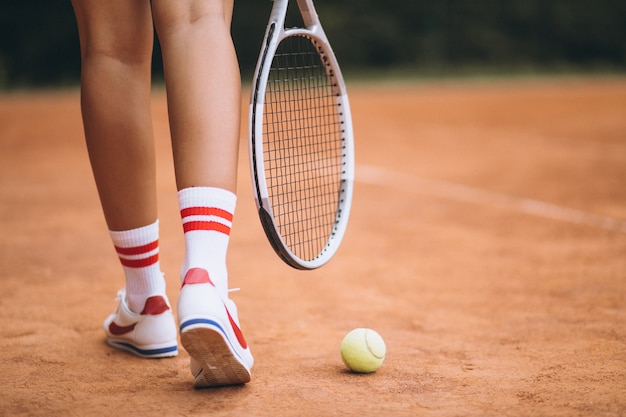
451,191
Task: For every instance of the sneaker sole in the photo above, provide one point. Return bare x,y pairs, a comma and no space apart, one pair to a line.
211,350
144,352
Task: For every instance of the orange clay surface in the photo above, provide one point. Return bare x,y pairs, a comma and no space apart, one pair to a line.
487,245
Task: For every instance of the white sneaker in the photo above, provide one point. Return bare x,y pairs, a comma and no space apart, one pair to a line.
149,334
210,332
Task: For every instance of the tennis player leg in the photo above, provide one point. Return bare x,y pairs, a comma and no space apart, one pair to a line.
116,39
204,102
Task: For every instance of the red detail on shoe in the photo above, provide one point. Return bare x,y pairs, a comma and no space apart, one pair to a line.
206,211
197,276
208,226
116,330
155,305
237,330
137,250
140,263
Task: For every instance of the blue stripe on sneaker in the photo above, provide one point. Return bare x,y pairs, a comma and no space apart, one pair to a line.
147,352
191,322
201,321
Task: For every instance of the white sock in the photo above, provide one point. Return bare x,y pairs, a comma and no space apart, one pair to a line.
207,215
138,251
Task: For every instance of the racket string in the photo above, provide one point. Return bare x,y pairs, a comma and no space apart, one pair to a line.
302,147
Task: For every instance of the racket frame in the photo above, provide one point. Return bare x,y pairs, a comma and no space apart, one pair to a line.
274,34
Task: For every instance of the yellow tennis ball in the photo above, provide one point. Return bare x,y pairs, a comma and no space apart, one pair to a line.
363,350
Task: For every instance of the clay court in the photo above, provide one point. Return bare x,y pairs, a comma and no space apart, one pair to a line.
487,245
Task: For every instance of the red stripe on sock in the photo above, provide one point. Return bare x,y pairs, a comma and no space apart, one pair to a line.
140,263
206,211
214,226
138,250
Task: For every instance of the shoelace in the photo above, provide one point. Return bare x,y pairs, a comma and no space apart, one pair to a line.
120,295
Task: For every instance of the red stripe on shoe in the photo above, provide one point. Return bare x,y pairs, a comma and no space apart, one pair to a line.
211,226
197,276
140,263
206,211
155,305
138,250
237,330
116,330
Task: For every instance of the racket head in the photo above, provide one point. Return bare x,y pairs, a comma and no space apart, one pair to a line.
301,142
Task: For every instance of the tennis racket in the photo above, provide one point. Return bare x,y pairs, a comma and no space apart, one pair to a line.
301,140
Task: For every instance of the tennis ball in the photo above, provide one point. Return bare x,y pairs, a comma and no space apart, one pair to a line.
363,350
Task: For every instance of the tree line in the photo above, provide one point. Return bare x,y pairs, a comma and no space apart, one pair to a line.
39,41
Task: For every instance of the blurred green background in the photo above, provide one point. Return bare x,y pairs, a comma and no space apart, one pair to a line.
390,38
